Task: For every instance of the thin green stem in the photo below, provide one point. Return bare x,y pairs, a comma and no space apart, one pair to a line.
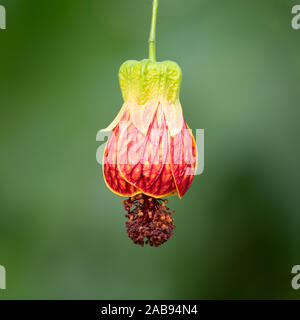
152,54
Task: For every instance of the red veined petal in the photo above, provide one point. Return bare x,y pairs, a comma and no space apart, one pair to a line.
183,159
142,115
112,175
144,159
174,117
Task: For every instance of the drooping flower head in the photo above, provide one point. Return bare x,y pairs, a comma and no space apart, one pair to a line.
151,152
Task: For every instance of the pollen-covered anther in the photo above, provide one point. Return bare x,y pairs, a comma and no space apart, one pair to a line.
149,221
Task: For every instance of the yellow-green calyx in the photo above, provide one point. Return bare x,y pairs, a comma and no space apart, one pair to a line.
146,80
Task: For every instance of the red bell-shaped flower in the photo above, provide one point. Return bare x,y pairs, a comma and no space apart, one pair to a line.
151,149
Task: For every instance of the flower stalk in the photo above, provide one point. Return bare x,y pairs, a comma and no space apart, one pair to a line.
152,37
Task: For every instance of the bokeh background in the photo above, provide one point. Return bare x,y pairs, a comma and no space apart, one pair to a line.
62,232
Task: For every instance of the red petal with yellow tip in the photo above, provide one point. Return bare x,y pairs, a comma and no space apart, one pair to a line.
144,159
112,175
183,158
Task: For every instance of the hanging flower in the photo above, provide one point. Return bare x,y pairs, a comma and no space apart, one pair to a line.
151,152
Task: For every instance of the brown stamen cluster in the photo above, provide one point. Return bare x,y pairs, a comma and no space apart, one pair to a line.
149,221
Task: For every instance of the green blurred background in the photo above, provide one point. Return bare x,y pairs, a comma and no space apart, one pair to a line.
62,232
